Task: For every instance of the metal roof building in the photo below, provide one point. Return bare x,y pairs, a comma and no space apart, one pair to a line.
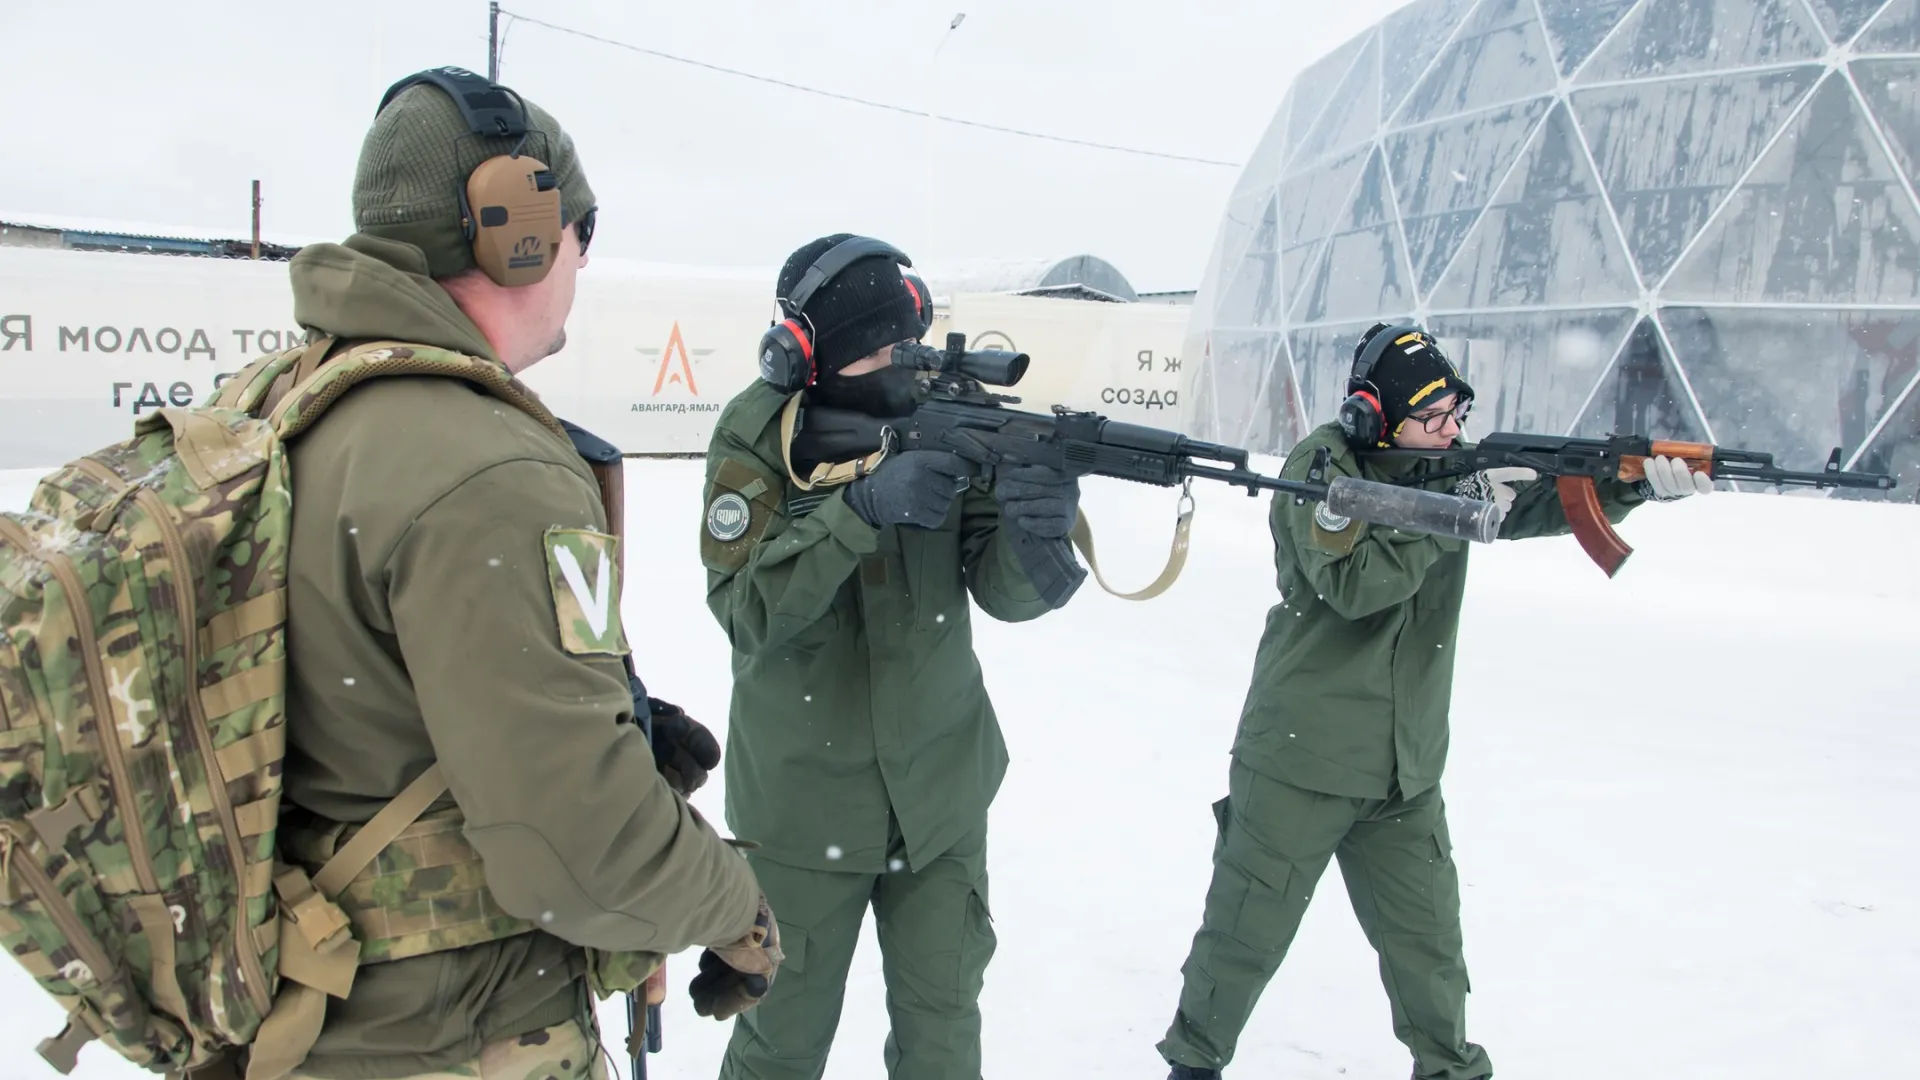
80,234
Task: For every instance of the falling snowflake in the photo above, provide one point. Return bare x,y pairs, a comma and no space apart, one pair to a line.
834,852
348,680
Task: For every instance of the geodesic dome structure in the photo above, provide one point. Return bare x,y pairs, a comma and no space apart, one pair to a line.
1683,218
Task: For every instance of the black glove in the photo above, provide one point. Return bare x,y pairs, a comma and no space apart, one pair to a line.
915,487
683,749
734,977
1040,499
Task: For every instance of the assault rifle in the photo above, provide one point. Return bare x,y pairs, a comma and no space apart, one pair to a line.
961,416
1575,463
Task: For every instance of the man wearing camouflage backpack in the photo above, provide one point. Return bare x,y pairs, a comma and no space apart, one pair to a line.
450,601
316,752
453,623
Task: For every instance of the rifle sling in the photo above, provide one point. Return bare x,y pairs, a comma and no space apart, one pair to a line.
1082,535
825,474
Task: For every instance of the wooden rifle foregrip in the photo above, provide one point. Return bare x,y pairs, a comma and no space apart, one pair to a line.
1698,456
1581,503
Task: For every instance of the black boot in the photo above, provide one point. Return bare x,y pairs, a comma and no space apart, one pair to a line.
1189,1072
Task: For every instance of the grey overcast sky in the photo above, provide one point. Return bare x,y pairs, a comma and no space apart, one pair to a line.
164,113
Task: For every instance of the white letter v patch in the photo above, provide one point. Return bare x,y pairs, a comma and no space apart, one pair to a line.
597,603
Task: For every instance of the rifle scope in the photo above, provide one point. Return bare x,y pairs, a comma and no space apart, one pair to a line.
995,367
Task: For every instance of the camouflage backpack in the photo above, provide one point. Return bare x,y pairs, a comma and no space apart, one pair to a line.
142,727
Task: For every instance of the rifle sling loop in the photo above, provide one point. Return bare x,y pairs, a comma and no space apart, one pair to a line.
1082,535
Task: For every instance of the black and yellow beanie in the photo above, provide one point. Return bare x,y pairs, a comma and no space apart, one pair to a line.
1411,375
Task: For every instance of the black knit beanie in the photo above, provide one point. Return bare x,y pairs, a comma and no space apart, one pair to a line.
1411,375
863,308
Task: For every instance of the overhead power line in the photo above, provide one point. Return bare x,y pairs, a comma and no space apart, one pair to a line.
859,100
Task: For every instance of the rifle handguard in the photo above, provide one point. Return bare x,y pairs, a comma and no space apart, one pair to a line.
1414,510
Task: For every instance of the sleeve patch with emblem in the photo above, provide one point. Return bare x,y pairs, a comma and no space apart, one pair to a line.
727,517
1332,533
584,574
740,506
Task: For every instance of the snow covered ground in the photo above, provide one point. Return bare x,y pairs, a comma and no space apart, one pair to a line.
1680,801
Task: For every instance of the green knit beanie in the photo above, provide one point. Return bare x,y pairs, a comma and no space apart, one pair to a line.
415,162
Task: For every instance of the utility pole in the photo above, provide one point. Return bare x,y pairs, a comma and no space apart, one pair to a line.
493,40
933,121
256,219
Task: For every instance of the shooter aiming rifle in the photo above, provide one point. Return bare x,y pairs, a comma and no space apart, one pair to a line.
961,416
1575,463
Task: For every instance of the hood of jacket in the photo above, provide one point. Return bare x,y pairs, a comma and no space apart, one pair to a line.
369,288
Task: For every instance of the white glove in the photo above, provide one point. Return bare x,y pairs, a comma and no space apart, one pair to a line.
1494,485
1668,478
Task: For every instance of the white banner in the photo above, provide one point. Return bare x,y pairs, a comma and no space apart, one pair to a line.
89,341
1119,360
652,357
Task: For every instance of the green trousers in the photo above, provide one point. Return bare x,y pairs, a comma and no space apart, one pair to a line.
1273,844
936,937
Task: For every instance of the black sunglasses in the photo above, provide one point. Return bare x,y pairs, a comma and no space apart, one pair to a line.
584,227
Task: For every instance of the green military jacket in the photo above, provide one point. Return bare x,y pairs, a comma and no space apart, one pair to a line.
429,621
858,707
1354,674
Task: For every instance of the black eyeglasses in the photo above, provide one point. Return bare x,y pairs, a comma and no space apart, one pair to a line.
584,227
1431,422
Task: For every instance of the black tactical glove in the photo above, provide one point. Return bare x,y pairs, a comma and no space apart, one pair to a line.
915,487
1040,499
683,749
733,978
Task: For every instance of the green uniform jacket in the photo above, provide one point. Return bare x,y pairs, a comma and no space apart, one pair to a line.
1354,674
423,627
858,705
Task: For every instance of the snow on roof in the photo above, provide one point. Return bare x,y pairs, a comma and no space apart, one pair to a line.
147,229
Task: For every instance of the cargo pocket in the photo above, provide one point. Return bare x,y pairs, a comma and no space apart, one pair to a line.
1247,900
63,935
935,588
793,951
1444,884
978,943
